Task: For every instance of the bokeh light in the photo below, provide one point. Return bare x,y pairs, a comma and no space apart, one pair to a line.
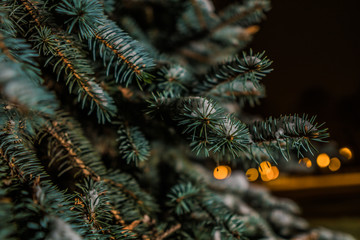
335,164
265,167
252,174
271,175
221,172
275,172
346,152
306,161
323,160
268,172
265,177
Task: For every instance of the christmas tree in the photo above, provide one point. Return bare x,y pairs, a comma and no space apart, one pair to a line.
115,114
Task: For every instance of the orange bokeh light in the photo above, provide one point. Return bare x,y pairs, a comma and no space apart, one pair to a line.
306,161
275,172
265,167
252,174
265,177
323,160
221,172
346,152
335,164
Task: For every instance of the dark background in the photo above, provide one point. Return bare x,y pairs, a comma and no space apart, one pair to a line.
315,48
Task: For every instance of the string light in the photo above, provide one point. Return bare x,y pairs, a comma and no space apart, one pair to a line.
335,164
252,174
323,160
222,172
346,152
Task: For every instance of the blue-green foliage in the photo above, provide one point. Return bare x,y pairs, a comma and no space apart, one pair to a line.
230,136
183,198
174,80
187,197
285,133
198,16
18,88
133,146
70,63
20,52
121,55
249,67
86,15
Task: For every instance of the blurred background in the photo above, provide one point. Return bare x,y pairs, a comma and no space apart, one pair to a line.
315,49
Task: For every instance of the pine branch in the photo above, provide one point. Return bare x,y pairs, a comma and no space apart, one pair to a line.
85,15
91,202
121,52
248,68
250,12
33,9
209,128
182,197
69,60
243,92
68,136
133,146
117,48
5,23
169,232
36,201
285,133
16,50
15,146
198,17
185,198
123,183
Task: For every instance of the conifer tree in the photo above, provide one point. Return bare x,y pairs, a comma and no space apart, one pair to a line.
114,114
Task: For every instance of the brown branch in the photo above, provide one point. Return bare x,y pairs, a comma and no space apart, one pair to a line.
132,65
244,93
15,171
68,147
80,80
32,9
235,18
116,214
169,232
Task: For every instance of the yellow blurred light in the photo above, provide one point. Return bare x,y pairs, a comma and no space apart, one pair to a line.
275,172
308,164
252,174
221,172
306,161
346,152
265,167
334,164
265,177
270,175
323,160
